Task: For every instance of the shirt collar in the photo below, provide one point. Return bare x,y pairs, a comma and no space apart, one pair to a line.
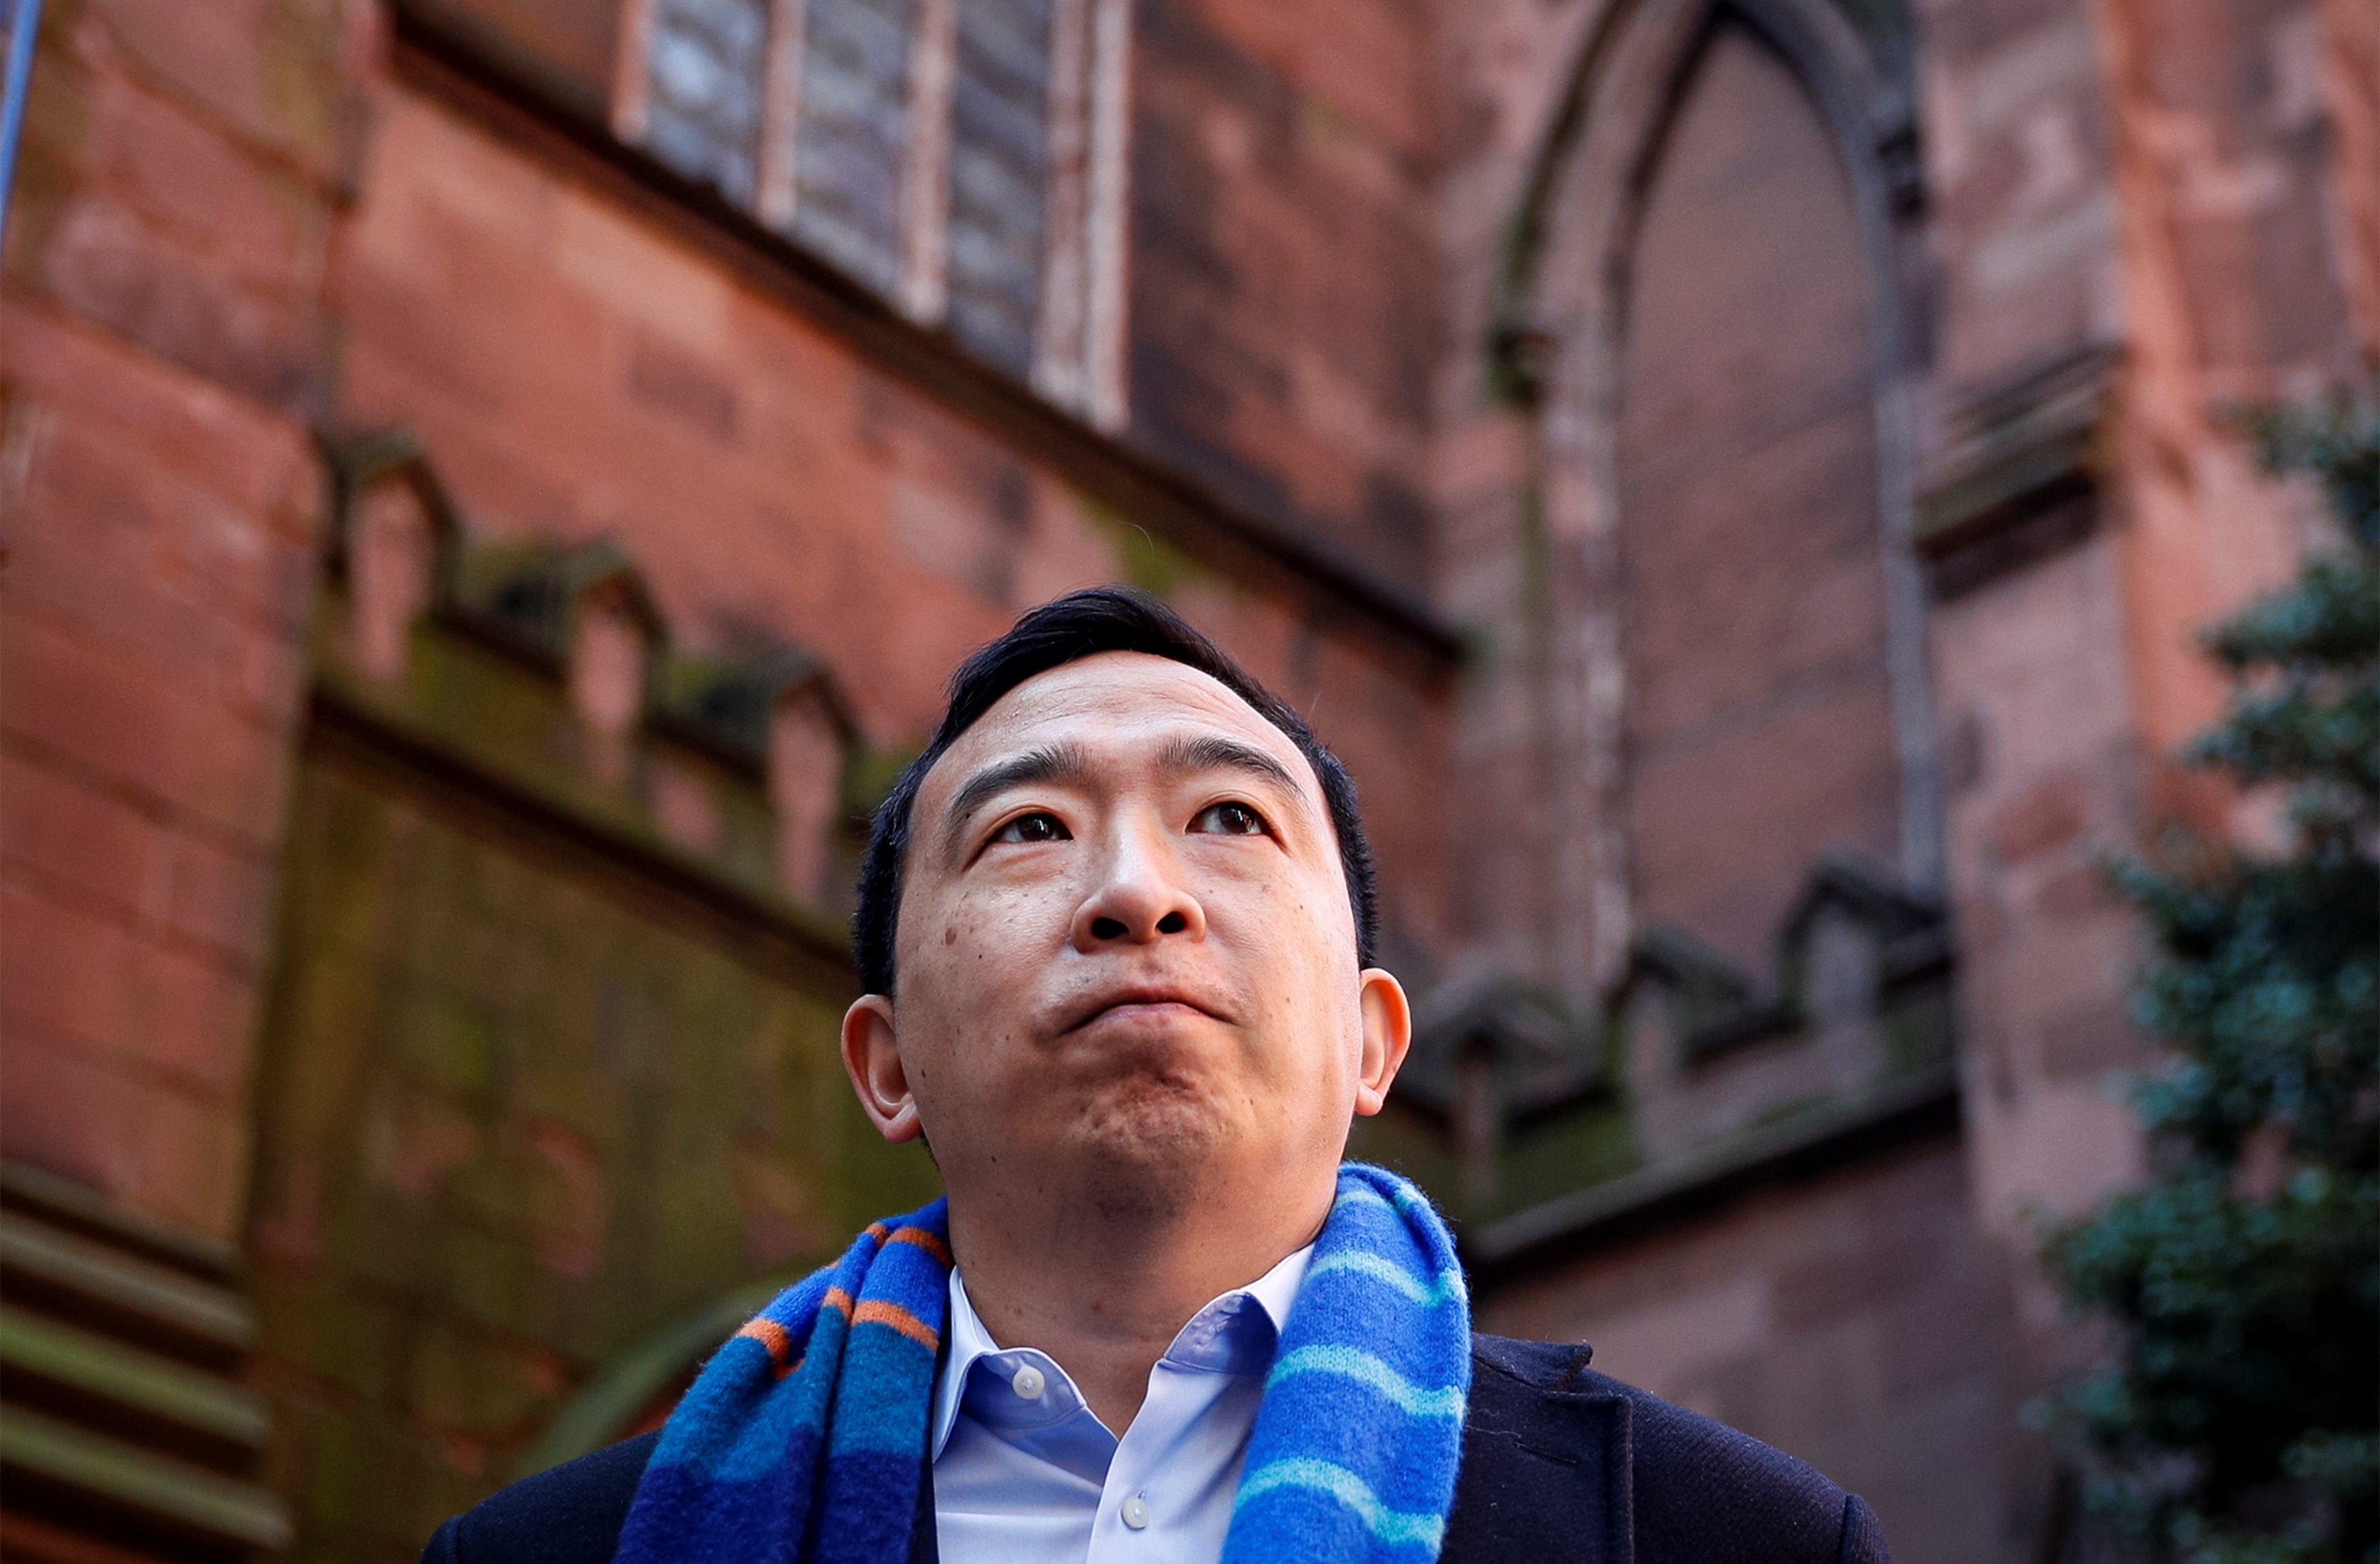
1216,1339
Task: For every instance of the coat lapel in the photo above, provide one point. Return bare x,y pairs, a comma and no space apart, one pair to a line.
1546,1470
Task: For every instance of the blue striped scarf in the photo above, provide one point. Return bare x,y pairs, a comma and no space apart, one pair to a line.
804,1438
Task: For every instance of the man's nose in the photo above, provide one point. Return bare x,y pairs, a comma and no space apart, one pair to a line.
1139,896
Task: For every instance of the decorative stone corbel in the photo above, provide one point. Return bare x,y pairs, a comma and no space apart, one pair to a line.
1849,933
2015,474
1492,1052
393,539
613,643
1676,996
615,637
585,613
785,712
810,734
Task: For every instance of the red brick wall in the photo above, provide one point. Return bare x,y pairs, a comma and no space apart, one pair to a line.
1856,1319
1283,321
164,341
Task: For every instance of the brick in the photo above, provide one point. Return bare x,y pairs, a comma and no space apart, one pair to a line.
1983,924
481,182
108,714
2075,893
66,837
266,69
141,728
439,370
1723,835
1294,328
683,387
218,896
104,539
190,1163
2051,813
2092,1038
191,1018
263,224
107,261
64,972
257,459
67,1109
1283,308
162,1154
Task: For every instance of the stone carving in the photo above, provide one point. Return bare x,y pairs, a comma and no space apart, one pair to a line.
1710,1050
740,759
1526,1105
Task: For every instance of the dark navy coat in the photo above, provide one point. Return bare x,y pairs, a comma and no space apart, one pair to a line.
1558,1462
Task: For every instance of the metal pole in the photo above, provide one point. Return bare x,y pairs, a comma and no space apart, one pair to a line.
22,32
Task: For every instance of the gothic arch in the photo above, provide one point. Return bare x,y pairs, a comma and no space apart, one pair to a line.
1558,321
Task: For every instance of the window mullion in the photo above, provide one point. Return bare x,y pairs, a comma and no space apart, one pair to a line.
926,163
632,82
781,114
1058,357
1107,221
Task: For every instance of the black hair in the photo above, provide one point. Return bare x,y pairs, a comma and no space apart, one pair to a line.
1066,630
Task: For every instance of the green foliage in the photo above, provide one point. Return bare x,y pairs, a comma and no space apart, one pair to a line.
2239,1422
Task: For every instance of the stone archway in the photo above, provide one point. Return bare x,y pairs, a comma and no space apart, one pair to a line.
1648,80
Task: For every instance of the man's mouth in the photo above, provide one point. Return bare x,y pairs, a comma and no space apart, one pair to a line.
1152,1002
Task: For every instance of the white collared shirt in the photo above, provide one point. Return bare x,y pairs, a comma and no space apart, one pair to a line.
1024,1473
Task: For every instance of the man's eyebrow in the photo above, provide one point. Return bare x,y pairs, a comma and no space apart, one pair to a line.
1056,762
1211,753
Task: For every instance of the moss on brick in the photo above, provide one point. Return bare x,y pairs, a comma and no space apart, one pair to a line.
522,1103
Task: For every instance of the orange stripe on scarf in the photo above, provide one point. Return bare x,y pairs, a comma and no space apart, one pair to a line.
931,1242
877,1312
772,1335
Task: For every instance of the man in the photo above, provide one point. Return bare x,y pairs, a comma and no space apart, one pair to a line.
1117,928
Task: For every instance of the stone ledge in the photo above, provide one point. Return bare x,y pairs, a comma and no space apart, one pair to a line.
129,1428
2018,478
340,717
1819,1137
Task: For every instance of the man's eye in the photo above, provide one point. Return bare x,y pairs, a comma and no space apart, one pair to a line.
1228,820
1032,828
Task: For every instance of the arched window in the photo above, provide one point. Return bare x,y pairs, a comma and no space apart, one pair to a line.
1760,730
962,158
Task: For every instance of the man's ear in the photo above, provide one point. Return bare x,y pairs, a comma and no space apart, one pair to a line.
871,1057
1388,1033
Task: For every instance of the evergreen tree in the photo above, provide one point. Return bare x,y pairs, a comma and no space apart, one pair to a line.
2239,1422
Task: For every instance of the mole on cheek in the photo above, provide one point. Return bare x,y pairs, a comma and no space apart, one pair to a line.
951,935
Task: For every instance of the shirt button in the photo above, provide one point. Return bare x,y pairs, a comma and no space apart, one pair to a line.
1029,1383
1136,1512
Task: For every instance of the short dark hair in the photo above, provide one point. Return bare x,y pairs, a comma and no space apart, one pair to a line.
1066,630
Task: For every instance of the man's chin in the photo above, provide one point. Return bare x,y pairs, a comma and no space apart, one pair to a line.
1147,1149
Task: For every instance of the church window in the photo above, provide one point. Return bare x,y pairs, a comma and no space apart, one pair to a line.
962,159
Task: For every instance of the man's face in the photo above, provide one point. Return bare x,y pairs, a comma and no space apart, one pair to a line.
1124,946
